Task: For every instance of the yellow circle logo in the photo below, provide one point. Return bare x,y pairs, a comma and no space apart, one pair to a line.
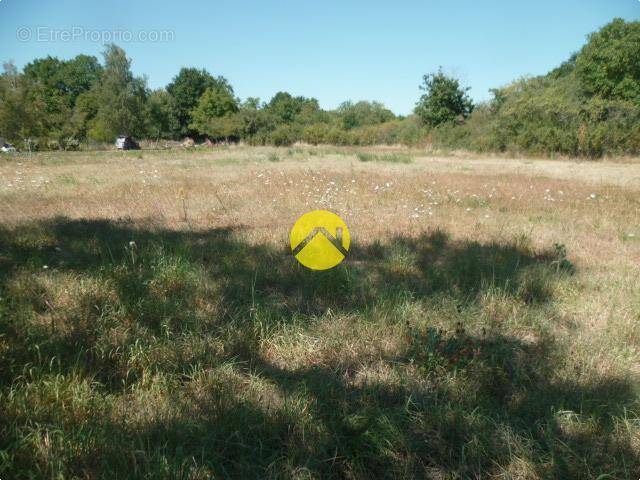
319,240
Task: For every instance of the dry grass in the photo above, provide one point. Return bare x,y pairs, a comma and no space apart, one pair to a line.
484,324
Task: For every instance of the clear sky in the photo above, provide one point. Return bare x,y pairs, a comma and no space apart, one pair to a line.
332,50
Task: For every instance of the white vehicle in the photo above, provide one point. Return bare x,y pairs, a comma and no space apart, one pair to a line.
125,142
7,148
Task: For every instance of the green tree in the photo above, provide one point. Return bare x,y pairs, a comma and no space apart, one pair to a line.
46,71
286,108
84,113
443,101
187,88
79,75
214,114
68,78
58,84
21,107
121,98
44,79
162,121
251,118
363,113
609,64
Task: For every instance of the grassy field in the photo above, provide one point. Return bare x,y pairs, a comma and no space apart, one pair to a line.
153,323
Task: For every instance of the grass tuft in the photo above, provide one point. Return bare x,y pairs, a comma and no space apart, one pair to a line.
384,157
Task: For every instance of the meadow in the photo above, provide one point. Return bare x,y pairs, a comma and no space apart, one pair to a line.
154,324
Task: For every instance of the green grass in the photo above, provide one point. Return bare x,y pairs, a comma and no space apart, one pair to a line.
384,157
147,353
68,180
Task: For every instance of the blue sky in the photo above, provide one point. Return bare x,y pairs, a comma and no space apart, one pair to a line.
331,50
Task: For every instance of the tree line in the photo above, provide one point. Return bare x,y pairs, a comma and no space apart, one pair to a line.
589,106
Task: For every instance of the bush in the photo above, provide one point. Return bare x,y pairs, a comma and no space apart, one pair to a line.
407,132
546,116
316,134
283,136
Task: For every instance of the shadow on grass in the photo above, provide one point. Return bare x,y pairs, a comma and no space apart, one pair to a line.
382,431
460,405
421,266
333,425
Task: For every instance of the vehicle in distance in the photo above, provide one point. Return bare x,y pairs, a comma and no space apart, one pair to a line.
125,142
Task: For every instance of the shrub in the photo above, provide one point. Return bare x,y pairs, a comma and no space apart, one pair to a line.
316,134
283,136
545,116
